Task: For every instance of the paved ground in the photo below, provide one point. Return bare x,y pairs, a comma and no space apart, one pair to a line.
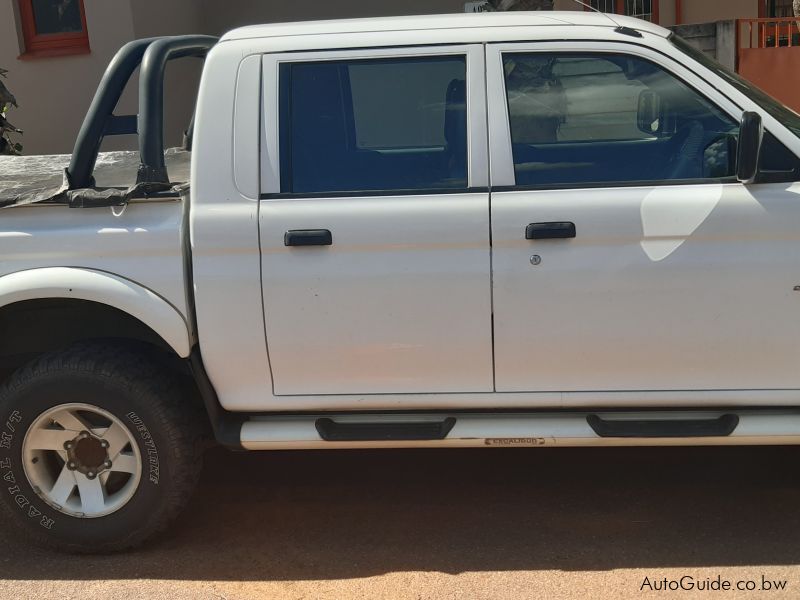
506,524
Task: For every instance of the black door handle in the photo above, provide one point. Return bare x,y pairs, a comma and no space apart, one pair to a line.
550,231
307,237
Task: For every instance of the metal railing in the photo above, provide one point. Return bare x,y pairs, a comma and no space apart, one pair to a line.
641,9
768,33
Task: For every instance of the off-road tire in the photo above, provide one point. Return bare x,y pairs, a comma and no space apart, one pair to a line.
147,398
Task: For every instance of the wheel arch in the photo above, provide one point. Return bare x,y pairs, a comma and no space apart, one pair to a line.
102,289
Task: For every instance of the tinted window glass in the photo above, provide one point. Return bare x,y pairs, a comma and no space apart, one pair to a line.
585,119
782,113
62,16
778,163
373,125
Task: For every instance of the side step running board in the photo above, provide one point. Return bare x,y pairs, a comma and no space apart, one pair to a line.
721,426
331,431
708,427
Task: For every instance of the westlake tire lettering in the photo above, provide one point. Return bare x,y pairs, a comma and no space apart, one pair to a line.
149,444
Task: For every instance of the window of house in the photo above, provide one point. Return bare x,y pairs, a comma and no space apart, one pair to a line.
641,9
373,125
584,119
53,27
776,9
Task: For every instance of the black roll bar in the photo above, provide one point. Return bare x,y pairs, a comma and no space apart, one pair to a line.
100,121
151,99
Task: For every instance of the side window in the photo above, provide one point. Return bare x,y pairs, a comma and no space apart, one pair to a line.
583,119
778,163
373,125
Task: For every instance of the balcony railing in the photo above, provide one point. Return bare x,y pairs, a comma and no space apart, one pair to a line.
768,33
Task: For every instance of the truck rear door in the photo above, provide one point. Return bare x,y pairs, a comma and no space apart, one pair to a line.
374,221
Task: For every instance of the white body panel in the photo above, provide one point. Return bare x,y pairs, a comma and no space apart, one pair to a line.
224,232
131,259
400,303
669,288
142,243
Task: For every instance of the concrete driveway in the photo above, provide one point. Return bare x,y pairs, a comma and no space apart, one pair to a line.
526,523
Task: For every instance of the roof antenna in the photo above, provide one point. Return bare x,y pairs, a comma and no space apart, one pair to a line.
619,28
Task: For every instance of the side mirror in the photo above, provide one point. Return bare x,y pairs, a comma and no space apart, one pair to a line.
751,135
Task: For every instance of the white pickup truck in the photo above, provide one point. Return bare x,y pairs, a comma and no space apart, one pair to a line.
487,230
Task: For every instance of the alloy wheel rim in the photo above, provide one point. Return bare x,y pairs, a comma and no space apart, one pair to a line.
81,460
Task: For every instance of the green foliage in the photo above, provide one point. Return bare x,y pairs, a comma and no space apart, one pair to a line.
7,100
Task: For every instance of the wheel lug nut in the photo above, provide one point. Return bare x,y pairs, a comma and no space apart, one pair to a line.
72,466
107,464
103,444
68,445
84,435
90,475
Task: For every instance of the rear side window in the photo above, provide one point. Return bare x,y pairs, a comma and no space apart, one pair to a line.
373,125
583,119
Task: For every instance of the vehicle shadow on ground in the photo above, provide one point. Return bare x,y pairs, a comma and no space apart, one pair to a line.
344,514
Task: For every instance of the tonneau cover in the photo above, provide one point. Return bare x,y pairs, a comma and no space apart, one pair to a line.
40,179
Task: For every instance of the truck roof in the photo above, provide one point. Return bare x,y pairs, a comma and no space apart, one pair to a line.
433,23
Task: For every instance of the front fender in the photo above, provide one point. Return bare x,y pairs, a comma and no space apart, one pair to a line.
104,288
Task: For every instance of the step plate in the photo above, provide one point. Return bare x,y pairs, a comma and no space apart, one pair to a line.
723,425
333,431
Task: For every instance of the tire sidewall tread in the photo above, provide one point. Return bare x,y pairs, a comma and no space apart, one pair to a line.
147,398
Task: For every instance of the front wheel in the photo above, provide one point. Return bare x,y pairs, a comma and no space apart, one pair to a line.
98,449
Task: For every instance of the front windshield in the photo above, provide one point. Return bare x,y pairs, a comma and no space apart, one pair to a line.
780,112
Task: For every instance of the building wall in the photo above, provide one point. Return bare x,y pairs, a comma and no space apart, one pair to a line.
219,17
53,93
702,11
717,39
692,11
172,17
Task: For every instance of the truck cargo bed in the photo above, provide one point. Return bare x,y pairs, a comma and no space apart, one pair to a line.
32,179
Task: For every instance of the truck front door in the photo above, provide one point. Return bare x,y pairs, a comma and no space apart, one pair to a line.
626,256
